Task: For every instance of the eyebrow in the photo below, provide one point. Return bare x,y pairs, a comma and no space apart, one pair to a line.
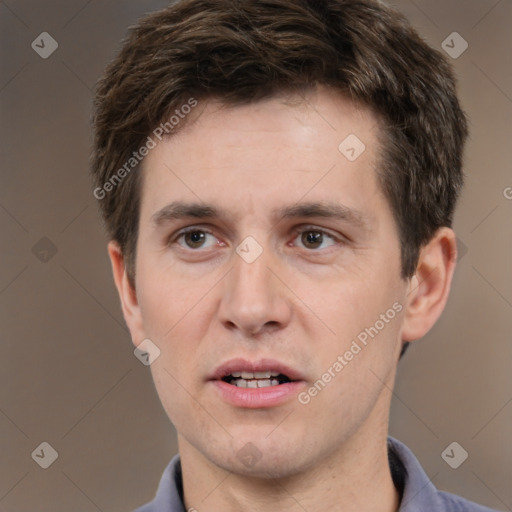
181,210
328,210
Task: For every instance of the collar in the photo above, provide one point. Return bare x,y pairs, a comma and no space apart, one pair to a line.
417,491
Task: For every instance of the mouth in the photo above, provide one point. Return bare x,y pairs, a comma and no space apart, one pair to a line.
256,384
265,379
255,374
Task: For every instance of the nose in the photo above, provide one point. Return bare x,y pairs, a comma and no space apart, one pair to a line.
255,300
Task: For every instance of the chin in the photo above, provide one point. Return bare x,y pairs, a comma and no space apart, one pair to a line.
266,468
262,457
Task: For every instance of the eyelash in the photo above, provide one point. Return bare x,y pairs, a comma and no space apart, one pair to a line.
296,232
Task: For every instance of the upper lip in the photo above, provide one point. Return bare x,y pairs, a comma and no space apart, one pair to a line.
261,365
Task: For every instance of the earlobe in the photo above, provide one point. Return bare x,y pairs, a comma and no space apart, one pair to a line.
429,287
127,294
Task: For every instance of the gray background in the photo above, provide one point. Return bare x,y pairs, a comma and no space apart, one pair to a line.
69,376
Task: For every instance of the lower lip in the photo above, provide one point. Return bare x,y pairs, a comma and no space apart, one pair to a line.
257,398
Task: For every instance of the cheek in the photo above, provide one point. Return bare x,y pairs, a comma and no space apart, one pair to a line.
356,366
171,303
349,302
173,390
173,318
361,316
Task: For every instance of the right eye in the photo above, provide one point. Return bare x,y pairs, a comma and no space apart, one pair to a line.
195,239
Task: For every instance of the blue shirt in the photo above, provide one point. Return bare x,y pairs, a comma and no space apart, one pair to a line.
418,492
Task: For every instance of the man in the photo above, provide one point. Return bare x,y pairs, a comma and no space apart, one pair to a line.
278,179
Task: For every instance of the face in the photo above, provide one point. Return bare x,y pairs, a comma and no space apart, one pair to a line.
267,252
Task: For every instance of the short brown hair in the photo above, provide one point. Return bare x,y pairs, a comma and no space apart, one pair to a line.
241,51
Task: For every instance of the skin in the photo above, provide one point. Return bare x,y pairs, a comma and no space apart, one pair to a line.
298,302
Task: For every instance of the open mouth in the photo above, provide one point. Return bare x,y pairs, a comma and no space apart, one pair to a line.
256,379
256,384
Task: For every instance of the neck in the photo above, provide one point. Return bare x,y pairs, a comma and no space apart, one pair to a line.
357,477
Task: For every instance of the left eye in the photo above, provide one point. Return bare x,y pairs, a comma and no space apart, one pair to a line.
315,239
196,239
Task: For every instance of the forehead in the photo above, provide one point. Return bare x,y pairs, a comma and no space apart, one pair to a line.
318,145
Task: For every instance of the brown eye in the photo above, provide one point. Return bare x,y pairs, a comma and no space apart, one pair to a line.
194,239
312,239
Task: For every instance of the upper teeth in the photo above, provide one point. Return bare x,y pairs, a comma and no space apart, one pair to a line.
255,383
255,375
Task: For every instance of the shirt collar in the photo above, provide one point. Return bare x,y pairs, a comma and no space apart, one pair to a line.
418,491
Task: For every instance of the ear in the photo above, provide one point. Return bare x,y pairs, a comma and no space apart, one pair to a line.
127,294
429,287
